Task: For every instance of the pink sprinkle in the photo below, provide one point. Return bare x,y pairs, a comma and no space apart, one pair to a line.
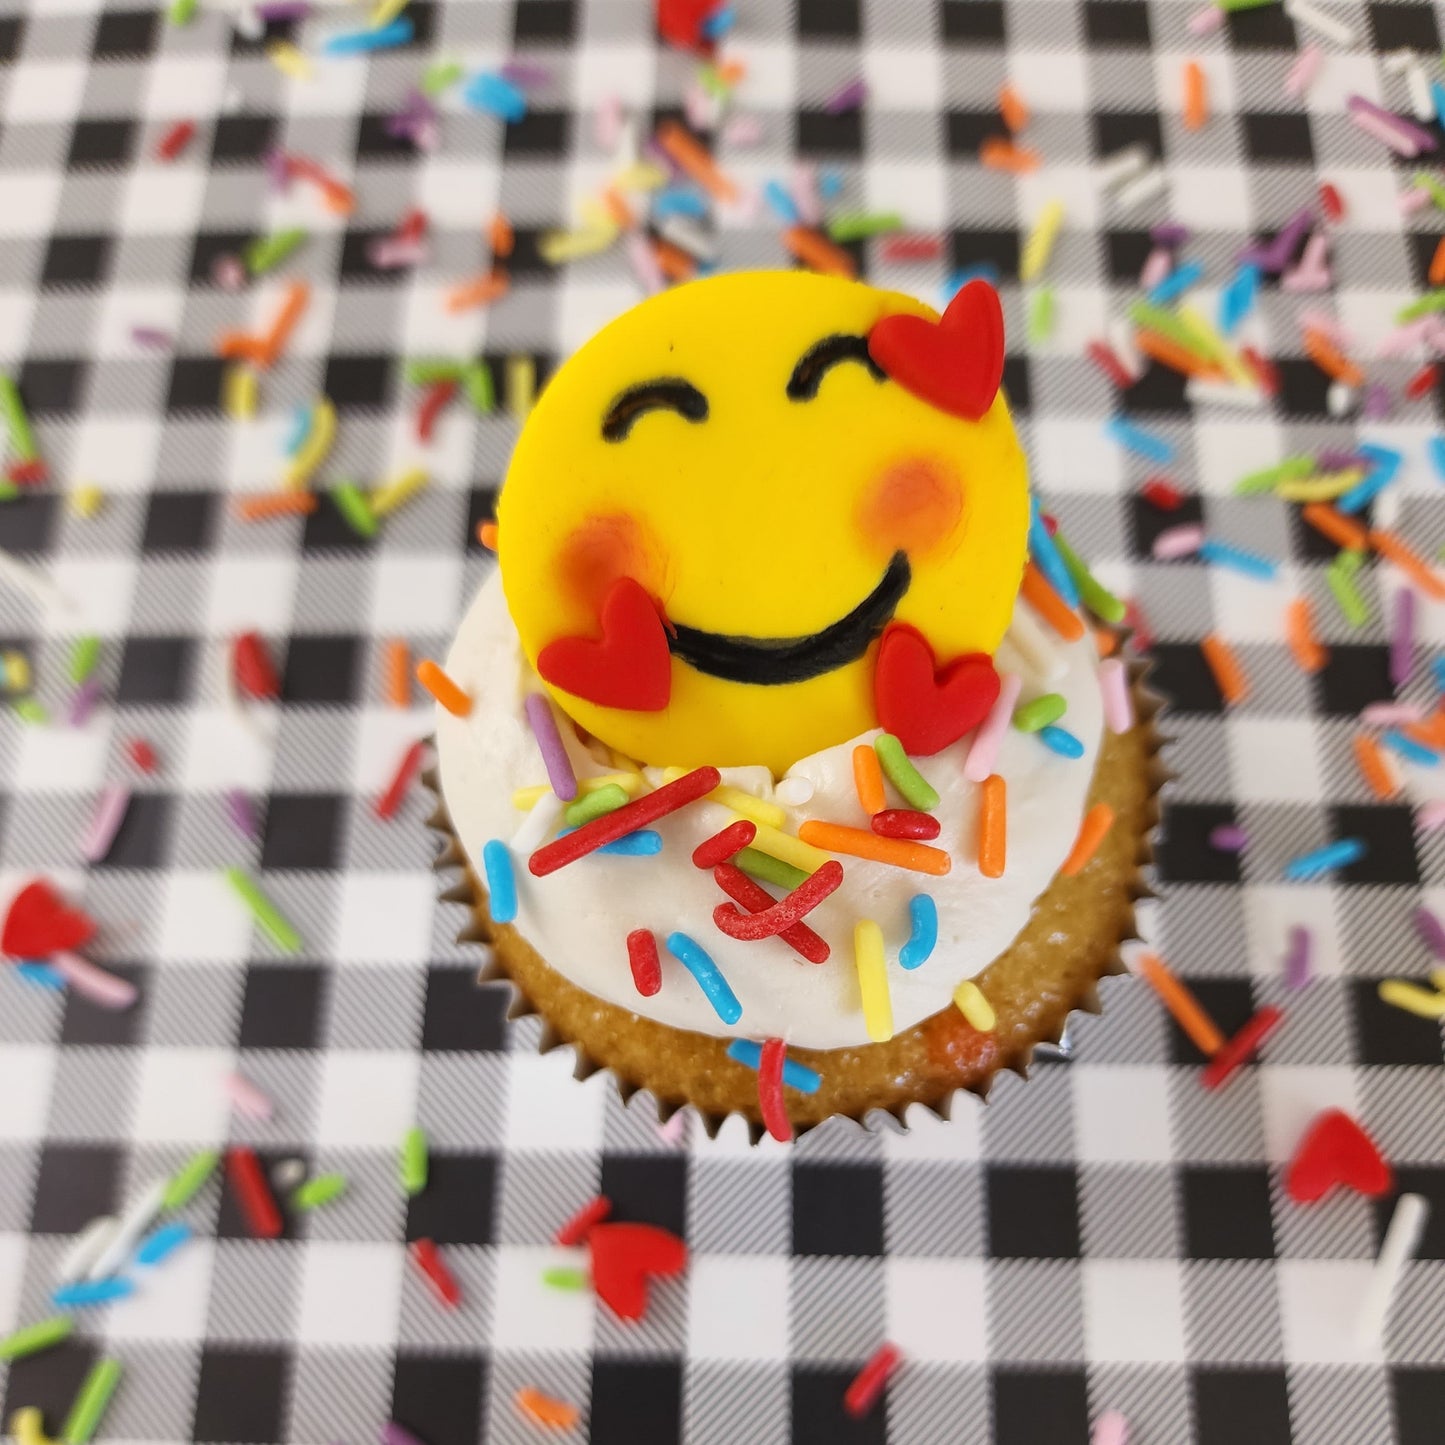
1377,404
1405,338
247,1098
607,123
1303,71
1431,931
1390,714
1431,815
1401,135
1157,265
228,273
1204,22
392,253
150,336
278,170
1228,838
1402,637
100,987
1297,960
804,191
526,73
242,814
104,823
1174,542
643,260
82,703
742,131
699,108
1408,202
1118,705
987,740
1401,142
1112,1428
1330,326
850,97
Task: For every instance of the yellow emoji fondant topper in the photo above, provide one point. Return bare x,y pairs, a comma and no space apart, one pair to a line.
761,513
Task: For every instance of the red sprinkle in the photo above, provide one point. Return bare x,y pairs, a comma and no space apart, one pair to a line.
860,1397
427,1258
642,959
911,248
770,1091
402,779
577,1228
1135,620
1104,358
1265,371
437,396
253,1193
27,474
722,846
413,226
905,823
1160,492
176,139
626,819
1331,202
1236,1052
1423,381
742,889
254,671
142,754
788,910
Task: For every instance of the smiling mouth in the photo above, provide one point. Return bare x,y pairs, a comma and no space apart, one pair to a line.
772,660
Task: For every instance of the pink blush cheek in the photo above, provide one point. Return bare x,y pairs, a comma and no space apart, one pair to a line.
914,506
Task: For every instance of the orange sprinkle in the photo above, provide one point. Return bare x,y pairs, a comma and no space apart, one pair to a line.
999,154
480,291
1335,525
1175,357
618,209
1107,642
676,264
1373,766
816,250
1013,107
730,72
857,843
1187,1010
993,826
544,1410
501,237
397,673
1228,671
1393,548
273,342
1196,97
443,688
261,505
1299,632
693,159
1040,595
868,779
339,199
1437,264
236,346
1430,732
1330,359
1097,822
487,535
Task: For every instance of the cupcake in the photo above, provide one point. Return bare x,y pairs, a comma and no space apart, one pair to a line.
782,781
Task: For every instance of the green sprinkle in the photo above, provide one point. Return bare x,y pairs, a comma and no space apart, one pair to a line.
859,226
917,791
84,654
1347,595
90,1403
607,799
413,1162
565,1278
712,82
1228,5
183,11
424,373
478,381
30,710
1042,712
352,504
1424,305
34,1338
22,439
1427,182
268,252
186,1182
8,490
1349,560
1041,315
441,76
321,1190
1167,324
1095,596
264,911
1292,469
758,864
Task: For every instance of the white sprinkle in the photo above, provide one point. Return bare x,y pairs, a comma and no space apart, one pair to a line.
1040,655
1396,62
793,792
249,25
537,826
287,1174
1422,103
30,580
1389,505
100,987
1122,165
742,131
89,1245
104,823
1303,12
1121,343
1402,1238
607,122
684,232
1206,392
247,1098
134,1222
1144,188
1339,399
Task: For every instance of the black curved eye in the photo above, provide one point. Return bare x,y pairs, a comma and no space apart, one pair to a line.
665,393
820,359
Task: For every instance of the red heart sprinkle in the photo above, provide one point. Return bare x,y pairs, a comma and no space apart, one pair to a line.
629,666
1335,1150
624,1255
39,924
955,363
925,707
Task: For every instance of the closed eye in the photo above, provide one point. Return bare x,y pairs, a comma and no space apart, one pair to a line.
820,359
664,393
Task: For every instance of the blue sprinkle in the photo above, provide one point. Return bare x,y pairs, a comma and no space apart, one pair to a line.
1048,557
1385,463
1176,283
1061,741
679,201
300,430
1436,447
1237,299
1135,439
719,22
91,1292
501,881
1437,96
957,280
1322,860
1409,749
1438,668
697,961
490,92
1251,564
923,914
162,1242
360,42
641,843
795,1076
41,974
775,193
830,184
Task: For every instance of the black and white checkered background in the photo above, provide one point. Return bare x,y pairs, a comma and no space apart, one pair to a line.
1105,1236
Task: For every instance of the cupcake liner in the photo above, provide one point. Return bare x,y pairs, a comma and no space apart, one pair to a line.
941,1056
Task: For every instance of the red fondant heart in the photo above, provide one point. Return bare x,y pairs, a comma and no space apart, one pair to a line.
955,363
39,924
629,666
1335,1150
623,1256
924,706
680,22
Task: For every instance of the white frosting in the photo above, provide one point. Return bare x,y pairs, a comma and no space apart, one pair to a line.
578,918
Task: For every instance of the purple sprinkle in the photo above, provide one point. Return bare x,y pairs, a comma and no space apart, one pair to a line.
1297,960
278,170
150,336
1228,838
242,814
394,1434
1169,233
1431,931
850,97
280,10
659,157
1402,637
524,73
1422,138
1377,404
82,703
1335,459
1275,255
402,126
549,744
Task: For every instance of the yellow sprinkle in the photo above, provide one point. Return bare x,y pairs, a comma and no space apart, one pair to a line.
239,400
1041,241
386,11
289,60
303,465
28,1427
873,980
1323,488
388,498
622,762
1215,346
1437,978
525,799
557,247
17,671
968,999
745,805
1422,1002
85,501
596,216
521,386
641,176
789,849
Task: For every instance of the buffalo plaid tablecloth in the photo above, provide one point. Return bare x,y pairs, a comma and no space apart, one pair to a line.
1105,1236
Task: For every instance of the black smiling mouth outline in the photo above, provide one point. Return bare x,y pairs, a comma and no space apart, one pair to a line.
770,661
